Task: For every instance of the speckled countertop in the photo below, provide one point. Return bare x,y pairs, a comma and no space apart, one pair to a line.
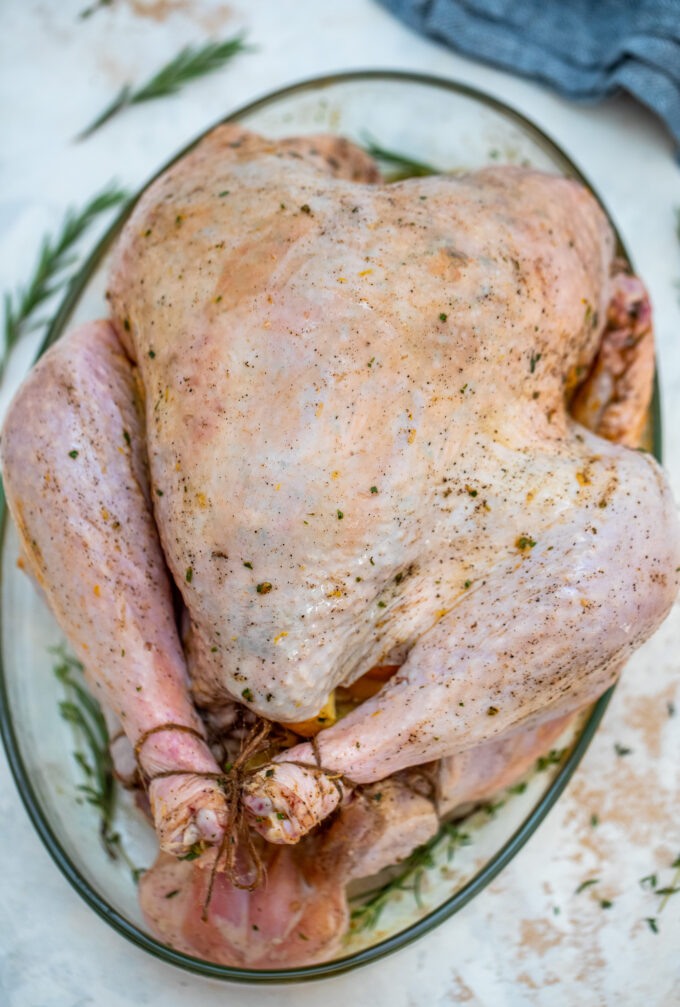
528,939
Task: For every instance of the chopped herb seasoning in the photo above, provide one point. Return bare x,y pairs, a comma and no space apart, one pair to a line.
159,493
535,357
249,565
370,362
340,515
126,436
178,219
255,926
225,192
374,489
594,820
269,773
622,749
524,542
377,797
443,316
171,895
73,454
650,880
189,575
126,324
519,788
247,695
302,937
492,711
305,208
280,815
263,588
652,924
381,604
146,235
467,584
213,650
606,904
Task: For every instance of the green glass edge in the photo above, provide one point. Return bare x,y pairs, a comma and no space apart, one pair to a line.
521,835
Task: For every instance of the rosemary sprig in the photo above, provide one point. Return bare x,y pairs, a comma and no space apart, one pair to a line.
189,64
406,166
53,268
83,713
367,914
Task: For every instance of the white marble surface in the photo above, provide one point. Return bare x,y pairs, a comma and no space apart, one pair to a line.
508,947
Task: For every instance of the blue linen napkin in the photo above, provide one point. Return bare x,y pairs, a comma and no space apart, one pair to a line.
584,49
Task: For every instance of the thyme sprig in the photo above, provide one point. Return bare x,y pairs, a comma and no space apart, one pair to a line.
407,167
53,269
83,713
189,64
410,879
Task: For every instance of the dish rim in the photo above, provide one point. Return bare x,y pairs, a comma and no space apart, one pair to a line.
521,835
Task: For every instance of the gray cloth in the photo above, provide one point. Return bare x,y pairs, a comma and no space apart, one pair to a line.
584,49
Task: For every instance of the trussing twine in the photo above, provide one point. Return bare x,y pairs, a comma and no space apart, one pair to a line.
238,837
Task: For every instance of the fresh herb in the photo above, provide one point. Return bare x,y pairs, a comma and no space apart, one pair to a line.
374,489
519,788
189,64
264,588
622,749
281,816
54,268
171,895
407,167
97,5
248,565
649,879
152,354
340,515
443,316
492,711
410,879
553,757
305,208
247,695
189,575
126,438
594,820
73,454
381,604
652,924
83,713
524,542
606,904
586,884
535,357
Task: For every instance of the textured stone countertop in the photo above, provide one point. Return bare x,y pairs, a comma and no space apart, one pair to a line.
508,947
